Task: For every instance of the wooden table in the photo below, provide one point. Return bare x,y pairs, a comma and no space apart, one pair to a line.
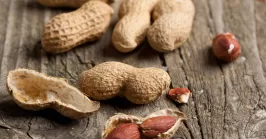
229,100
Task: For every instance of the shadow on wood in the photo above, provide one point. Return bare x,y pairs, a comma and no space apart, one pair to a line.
34,4
11,109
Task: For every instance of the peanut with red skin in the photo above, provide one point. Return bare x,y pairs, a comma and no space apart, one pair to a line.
152,127
180,95
226,47
125,130
161,124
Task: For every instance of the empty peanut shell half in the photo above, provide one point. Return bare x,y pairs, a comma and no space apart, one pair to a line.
32,90
118,119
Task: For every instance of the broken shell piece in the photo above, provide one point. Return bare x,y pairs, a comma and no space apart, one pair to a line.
114,121
32,90
172,113
117,119
180,95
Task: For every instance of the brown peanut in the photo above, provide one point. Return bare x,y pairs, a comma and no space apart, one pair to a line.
172,25
133,25
68,30
111,79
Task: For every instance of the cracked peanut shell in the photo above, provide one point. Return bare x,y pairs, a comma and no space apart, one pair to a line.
119,118
35,91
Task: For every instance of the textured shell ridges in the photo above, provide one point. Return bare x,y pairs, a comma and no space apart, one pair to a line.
133,25
69,30
172,25
111,79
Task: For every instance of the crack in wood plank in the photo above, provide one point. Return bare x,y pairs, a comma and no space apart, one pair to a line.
29,128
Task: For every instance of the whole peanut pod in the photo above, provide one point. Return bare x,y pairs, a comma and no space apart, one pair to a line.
64,3
111,79
134,22
68,30
172,25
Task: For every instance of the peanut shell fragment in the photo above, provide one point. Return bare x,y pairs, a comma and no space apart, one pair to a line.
35,91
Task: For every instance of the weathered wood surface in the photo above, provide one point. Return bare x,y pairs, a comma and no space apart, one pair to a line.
229,100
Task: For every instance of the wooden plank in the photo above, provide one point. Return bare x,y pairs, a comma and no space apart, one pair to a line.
258,125
260,31
195,67
28,54
243,100
228,99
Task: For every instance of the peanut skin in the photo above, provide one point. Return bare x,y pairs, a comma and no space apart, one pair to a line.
152,127
172,25
128,130
68,30
64,3
111,79
133,25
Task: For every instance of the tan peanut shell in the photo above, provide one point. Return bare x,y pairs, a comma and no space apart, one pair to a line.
111,79
119,118
134,22
172,25
32,90
68,30
64,3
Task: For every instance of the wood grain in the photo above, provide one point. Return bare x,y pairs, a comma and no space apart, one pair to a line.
229,100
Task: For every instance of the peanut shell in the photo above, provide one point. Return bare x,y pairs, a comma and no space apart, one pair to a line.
111,79
117,119
68,30
35,91
133,25
172,25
